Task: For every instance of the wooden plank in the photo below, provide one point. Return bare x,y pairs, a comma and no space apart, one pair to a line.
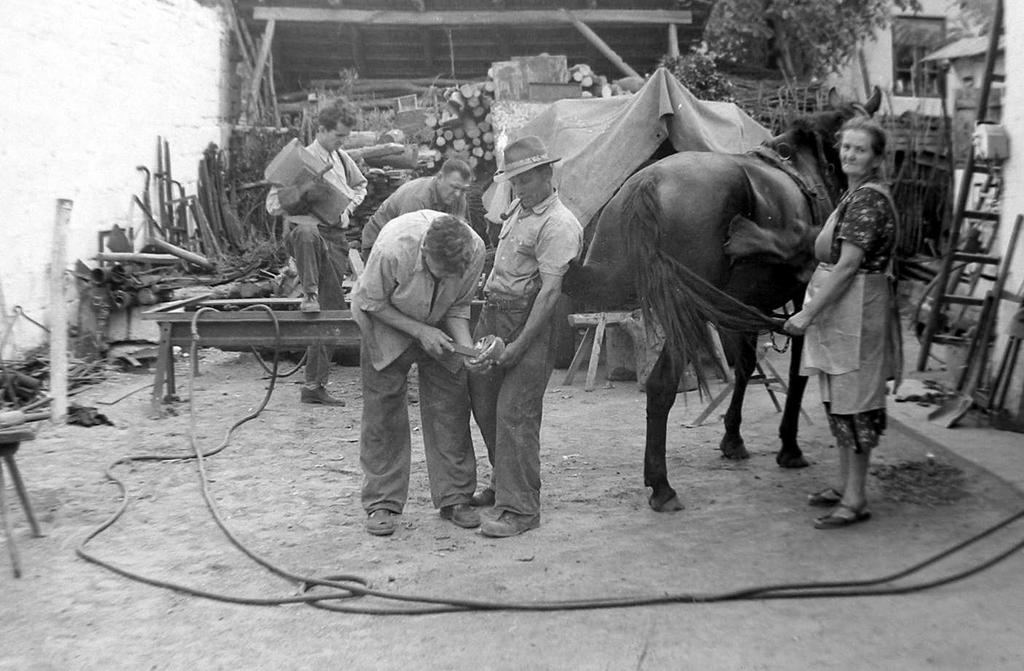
261,62
174,305
59,312
243,47
580,319
600,44
358,48
471,18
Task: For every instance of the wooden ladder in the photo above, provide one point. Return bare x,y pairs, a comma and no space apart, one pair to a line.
965,222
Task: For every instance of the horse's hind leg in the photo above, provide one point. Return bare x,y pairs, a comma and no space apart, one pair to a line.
743,354
661,390
790,455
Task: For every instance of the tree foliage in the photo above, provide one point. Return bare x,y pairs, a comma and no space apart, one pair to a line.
698,72
803,38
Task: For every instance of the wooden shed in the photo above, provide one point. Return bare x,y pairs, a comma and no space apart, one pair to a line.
309,40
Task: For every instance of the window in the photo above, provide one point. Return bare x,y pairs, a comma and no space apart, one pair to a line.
912,40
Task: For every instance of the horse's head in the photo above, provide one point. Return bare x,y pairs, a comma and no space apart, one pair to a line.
811,140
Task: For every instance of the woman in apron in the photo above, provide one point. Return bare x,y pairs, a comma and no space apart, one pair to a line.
850,322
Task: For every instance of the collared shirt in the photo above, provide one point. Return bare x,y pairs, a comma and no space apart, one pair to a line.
395,275
417,194
344,175
536,241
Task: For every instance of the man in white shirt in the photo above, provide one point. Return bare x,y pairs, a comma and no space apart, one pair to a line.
412,304
315,238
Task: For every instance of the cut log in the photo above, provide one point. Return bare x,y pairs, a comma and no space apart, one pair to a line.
193,258
138,257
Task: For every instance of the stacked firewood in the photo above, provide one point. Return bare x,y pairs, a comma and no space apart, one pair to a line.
591,84
462,125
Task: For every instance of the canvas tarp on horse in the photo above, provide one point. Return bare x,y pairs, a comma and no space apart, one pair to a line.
602,141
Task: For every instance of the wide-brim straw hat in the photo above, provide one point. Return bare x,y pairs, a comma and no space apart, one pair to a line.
524,154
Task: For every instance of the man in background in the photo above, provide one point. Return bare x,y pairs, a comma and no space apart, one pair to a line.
315,239
443,192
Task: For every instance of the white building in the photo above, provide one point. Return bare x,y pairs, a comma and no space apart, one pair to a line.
90,85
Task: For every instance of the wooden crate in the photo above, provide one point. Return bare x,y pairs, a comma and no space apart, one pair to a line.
545,92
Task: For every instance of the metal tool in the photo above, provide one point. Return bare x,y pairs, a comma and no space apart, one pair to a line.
489,347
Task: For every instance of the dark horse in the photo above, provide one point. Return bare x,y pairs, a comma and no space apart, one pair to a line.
703,237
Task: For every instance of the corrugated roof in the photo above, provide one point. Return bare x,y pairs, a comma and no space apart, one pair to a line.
962,48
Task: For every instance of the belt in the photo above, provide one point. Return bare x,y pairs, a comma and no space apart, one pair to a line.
508,303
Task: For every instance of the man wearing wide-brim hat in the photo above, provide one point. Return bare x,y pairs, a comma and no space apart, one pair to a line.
539,238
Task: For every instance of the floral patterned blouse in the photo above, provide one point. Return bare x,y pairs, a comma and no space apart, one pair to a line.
866,220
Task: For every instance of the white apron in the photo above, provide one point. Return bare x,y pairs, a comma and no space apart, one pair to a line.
853,345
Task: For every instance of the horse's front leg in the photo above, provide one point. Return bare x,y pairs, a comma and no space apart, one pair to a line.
661,390
743,353
790,455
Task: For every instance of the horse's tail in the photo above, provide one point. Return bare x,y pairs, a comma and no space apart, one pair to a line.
678,299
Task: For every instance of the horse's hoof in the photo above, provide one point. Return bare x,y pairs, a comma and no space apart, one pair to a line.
659,504
791,460
733,448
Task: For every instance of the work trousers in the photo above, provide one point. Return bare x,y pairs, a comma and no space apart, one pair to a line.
321,258
507,406
385,449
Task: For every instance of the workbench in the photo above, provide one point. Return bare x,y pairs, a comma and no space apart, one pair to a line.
240,330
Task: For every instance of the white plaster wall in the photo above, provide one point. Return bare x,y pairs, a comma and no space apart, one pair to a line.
88,86
1013,194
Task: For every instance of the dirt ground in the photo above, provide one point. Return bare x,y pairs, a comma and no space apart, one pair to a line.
288,483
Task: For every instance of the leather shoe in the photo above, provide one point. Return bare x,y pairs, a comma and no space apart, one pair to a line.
319,396
509,524
381,522
310,303
483,499
462,515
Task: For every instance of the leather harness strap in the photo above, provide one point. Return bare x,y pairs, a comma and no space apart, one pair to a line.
812,186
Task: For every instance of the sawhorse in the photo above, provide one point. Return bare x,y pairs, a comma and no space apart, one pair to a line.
10,439
759,375
595,324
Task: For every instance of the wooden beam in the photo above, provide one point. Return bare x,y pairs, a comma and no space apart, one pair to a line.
243,47
427,48
469,18
358,49
261,62
601,45
673,41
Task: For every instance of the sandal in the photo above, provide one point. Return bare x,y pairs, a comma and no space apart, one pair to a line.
381,522
842,516
826,498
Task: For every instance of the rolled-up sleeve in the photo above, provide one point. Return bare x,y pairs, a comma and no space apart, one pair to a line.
377,282
559,242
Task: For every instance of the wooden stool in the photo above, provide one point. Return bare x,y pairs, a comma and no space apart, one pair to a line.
10,439
595,323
